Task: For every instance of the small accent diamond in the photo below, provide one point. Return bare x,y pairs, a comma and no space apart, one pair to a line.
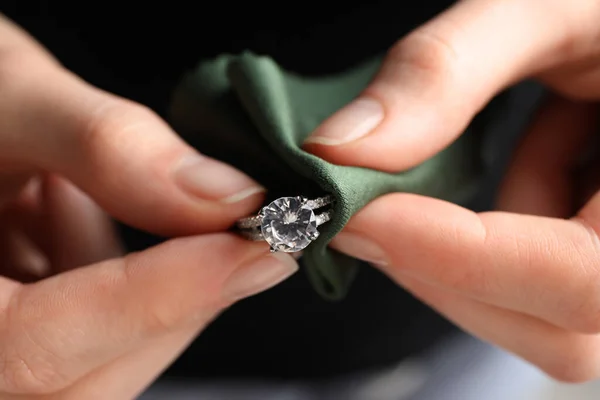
288,224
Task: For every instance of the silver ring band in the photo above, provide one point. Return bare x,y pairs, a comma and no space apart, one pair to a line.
288,224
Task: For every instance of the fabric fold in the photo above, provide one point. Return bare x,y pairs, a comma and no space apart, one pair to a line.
248,111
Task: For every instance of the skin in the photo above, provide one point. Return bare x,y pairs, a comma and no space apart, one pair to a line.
76,316
525,277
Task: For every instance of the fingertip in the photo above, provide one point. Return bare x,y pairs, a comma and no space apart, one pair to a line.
349,136
404,231
391,136
243,194
354,121
210,179
259,275
214,195
378,152
204,216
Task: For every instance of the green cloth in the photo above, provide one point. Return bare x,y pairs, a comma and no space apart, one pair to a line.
248,111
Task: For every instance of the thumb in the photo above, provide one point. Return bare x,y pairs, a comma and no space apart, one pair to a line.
106,310
436,79
119,152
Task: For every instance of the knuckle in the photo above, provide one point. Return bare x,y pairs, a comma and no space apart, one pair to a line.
578,38
427,53
17,64
468,280
475,281
584,303
462,269
165,307
10,66
585,312
22,73
169,313
587,324
105,131
159,317
155,313
576,360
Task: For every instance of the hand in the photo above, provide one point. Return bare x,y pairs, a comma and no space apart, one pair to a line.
108,329
527,277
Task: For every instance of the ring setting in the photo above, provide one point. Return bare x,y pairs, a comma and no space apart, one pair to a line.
288,224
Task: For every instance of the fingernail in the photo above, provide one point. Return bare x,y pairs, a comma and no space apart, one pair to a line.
210,179
360,247
259,275
352,122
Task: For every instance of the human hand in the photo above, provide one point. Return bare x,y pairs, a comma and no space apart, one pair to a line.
106,330
526,277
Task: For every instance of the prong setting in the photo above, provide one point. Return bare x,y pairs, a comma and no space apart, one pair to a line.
288,224
302,199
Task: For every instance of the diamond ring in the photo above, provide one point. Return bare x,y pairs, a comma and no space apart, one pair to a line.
288,224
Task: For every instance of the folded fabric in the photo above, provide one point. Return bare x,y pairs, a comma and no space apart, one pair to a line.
247,111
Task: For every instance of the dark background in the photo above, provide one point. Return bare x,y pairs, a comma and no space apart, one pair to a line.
141,51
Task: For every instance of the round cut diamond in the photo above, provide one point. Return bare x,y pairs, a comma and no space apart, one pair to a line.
288,224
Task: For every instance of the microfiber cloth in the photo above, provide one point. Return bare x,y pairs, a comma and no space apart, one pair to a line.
248,111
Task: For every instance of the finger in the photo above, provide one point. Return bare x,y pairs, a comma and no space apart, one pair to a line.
21,260
12,37
141,366
535,265
564,355
120,153
577,80
540,178
436,79
63,224
12,182
77,232
96,314
26,212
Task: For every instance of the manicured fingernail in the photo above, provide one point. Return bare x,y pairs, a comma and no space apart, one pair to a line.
360,247
210,179
352,122
259,275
